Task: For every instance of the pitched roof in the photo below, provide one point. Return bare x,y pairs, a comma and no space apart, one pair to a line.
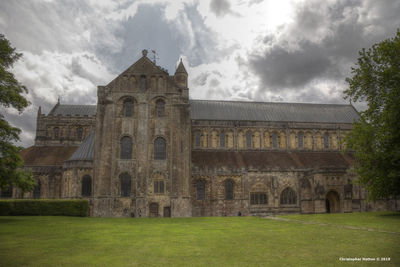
86,150
236,160
245,111
46,155
267,111
73,110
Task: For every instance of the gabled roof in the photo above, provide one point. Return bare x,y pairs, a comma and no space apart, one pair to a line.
73,110
86,150
267,111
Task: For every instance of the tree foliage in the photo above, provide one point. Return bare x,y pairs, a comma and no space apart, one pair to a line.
11,96
375,138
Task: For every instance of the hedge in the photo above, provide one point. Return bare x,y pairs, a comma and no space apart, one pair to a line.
67,207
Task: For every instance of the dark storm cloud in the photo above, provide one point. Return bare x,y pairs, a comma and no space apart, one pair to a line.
322,43
281,68
149,29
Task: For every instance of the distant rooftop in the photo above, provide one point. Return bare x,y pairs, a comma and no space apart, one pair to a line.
73,110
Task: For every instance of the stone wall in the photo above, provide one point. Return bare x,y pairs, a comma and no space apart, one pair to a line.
62,130
142,85
268,135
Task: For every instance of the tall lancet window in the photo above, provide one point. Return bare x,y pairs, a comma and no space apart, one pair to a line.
127,112
248,139
300,139
143,83
326,140
160,104
126,147
160,148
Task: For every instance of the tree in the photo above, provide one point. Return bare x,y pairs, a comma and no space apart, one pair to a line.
11,96
375,138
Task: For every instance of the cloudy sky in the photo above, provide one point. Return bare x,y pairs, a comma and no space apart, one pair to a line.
255,50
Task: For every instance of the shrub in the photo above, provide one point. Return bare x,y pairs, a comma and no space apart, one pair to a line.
68,207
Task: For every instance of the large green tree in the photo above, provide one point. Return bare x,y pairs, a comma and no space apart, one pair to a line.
11,96
375,138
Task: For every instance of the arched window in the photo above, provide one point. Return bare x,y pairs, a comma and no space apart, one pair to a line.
143,83
127,109
288,196
258,198
300,139
79,133
86,186
126,147
248,139
274,140
326,140
160,148
159,187
56,132
125,181
160,105
7,193
197,138
222,139
36,190
200,190
229,189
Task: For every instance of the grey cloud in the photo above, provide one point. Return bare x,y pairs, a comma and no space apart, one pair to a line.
253,2
214,83
220,7
287,69
201,79
149,29
67,27
321,44
205,39
50,24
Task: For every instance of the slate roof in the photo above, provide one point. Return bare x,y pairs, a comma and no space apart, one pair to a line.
260,160
267,111
86,150
73,110
246,111
46,155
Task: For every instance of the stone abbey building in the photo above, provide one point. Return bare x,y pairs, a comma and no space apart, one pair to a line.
147,150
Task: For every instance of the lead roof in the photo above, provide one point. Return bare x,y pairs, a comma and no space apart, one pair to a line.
246,111
86,150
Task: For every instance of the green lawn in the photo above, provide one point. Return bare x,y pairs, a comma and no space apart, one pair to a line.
227,241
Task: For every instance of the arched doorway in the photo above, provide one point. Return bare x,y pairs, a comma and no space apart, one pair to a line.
332,202
153,209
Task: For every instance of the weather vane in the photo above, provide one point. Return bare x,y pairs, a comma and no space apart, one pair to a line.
154,56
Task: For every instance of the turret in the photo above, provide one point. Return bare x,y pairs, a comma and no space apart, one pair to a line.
181,75
40,132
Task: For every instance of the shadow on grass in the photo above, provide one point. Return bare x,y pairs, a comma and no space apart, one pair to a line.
394,214
7,220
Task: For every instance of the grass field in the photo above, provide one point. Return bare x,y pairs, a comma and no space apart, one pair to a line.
227,241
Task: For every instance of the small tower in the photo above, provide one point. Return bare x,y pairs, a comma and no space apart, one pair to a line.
181,75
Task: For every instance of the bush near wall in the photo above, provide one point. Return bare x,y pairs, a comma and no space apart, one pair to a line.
74,207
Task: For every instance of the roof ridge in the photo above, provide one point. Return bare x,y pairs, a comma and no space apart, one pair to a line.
261,102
